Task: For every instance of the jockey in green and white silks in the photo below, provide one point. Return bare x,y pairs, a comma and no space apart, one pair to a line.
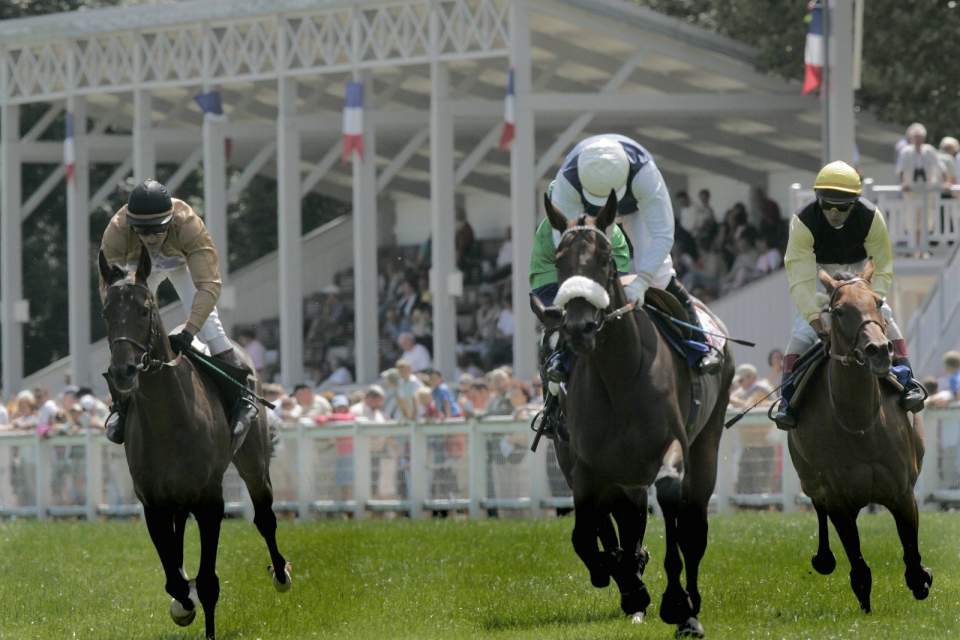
590,171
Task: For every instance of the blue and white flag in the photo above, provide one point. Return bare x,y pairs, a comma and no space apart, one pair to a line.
210,103
353,121
813,54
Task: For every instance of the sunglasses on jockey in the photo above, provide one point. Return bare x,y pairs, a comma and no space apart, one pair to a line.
839,200
150,230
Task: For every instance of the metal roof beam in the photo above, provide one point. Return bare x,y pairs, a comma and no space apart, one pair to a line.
698,104
717,165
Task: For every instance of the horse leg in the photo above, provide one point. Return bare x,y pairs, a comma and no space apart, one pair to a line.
586,527
209,518
675,605
918,577
824,562
631,515
861,580
179,527
160,525
253,465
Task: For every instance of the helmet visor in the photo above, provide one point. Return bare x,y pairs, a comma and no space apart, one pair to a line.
838,200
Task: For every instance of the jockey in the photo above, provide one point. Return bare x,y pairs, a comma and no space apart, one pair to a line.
839,231
183,253
590,171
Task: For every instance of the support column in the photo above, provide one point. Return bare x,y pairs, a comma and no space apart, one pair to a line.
289,216
78,246
443,261
11,274
215,186
365,244
842,124
144,145
523,203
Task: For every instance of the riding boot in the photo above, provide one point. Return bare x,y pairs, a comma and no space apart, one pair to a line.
710,361
786,416
243,410
914,394
117,420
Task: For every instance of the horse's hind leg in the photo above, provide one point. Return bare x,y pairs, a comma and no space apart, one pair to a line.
861,580
675,605
252,462
631,515
918,577
824,562
160,525
209,518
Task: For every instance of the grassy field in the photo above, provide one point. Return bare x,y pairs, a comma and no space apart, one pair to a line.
459,579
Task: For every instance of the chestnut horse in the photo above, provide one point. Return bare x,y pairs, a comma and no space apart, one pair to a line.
853,444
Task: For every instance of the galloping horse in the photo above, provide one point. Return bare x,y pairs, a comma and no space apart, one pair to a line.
853,444
627,407
178,445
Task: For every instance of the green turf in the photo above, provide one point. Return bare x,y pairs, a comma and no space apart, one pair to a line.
460,579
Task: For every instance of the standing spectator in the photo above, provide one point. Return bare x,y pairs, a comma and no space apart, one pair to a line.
407,388
520,397
25,415
409,299
463,394
705,213
415,354
247,338
463,240
918,169
769,259
688,216
309,404
500,404
749,389
479,395
443,399
951,378
763,206
343,468
370,409
744,267
391,382
775,362
936,397
949,147
426,410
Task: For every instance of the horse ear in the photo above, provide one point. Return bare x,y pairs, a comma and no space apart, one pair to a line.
144,265
557,220
827,281
109,273
868,270
609,212
550,317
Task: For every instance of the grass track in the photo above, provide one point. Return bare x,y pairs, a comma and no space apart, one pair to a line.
459,579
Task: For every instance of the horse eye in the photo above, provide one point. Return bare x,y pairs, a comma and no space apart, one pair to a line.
879,303
838,311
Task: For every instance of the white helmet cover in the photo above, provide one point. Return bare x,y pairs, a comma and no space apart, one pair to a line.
602,166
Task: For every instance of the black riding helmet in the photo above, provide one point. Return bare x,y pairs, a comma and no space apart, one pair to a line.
149,205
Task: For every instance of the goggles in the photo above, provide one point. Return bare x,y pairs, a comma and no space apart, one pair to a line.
151,230
838,200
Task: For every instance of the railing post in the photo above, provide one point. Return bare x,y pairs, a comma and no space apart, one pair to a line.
361,471
478,475
928,479
304,484
790,481
93,460
42,475
418,471
538,475
726,469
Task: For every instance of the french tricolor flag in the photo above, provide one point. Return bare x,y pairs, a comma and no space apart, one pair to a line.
509,121
813,54
68,157
353,121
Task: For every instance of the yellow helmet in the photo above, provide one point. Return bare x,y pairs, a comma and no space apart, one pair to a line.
838,176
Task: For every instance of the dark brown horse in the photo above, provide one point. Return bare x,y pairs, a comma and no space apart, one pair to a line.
178,445
627,406
853,444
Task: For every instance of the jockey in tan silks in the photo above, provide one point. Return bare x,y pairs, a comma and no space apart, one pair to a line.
838,232
182,252
595,167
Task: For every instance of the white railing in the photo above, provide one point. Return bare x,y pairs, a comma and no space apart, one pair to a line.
475,466
918,221
933,321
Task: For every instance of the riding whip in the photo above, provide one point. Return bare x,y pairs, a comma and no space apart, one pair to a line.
196,356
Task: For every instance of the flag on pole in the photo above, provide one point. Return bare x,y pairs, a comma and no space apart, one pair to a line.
68,157
506,136
211,104
813,53
353,121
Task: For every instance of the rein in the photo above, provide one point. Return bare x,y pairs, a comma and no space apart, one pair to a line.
146,363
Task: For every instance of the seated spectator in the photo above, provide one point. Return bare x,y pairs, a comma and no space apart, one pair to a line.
774,229
505,325
951,378
247,338
769,259
503,266
487,315
464,240
407,388
413,353
421,325
408,301
749,389
393,326
341,376
935,397
744,267
443,399
709,270
370,409
705,213
689,218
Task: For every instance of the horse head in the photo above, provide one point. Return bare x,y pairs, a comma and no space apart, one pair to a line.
586,272
857,326
133,321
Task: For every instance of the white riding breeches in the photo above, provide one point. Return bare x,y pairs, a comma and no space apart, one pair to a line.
211,333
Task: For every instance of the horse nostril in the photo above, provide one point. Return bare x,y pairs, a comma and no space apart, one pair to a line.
890,348
589,327
130,370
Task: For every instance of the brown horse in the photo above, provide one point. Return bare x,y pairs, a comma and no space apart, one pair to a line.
853,444
178,445
628,404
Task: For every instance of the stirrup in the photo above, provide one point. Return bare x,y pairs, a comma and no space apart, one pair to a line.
785,418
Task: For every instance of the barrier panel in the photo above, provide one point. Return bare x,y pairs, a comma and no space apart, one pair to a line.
481,467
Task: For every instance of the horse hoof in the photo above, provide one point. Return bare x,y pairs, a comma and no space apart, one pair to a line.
181,615
287,583
600,579
824,564
638,617
690,629
920,587
636,600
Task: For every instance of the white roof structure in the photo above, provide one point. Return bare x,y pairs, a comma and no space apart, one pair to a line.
435,73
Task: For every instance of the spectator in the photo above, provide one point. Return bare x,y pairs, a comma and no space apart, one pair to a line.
25,415
391,382
415,354
763,207
703,280
918,169
749,389
4,417
705,213
775,362
421,325
407,388
949,147
409,299
774,229
341,376
464,239
247,338
505,325
935,397
443,399
500,404
504,263
688,216
343,467
393,326
426,410
463,393
47,409
520,397
951,378
769,259
94,405
370,409
479,396
487,315
309,404
744,267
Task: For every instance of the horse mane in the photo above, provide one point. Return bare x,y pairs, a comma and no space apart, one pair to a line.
845,275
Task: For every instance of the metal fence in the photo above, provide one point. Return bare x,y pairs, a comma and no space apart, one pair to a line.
479,467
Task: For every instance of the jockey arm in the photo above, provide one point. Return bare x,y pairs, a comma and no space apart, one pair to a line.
800,261
114,248
877,246
203,264
653,221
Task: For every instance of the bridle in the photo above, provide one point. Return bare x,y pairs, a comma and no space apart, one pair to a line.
146,363
601,317
853,358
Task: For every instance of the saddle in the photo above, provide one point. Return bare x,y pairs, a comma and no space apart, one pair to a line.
807,366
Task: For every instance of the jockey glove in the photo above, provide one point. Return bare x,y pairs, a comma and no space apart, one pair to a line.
181,341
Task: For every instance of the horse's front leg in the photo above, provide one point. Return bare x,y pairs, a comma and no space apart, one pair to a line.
586,529
675,606
160,525
824,562
630,512
919,578
861,580
209,518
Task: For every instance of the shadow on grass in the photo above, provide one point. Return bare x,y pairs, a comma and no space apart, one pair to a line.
196,633
539,619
